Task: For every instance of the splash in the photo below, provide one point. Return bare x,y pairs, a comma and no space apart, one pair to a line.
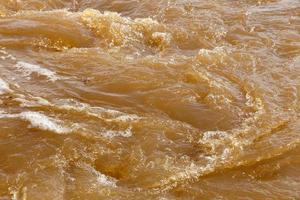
29,69
40,121
4,87
116,30
43,122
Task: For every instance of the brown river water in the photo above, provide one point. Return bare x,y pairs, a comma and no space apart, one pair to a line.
149,99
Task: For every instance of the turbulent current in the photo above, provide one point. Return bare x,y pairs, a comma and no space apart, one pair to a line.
149,99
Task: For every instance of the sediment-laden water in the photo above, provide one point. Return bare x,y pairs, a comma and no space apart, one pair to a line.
143,99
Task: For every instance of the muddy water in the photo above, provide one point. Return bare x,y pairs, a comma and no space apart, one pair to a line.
131,99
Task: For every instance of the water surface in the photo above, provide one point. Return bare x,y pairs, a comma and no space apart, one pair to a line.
143,99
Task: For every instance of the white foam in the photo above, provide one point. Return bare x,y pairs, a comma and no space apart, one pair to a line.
43,122
101,178
39,120
28,69
104,180
34,102
99,112
218,54
209,135
111,133
165,37
4,88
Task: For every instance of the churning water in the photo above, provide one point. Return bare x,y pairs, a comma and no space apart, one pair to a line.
149,99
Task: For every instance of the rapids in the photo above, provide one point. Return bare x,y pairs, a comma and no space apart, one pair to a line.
143,99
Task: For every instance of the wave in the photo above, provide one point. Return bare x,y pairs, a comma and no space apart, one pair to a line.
39,120
4,87
120,31
29,69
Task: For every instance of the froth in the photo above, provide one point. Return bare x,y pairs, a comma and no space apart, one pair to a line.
39,120
43,122
99,112
112,133
117,30
28,69
4,88
101,178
